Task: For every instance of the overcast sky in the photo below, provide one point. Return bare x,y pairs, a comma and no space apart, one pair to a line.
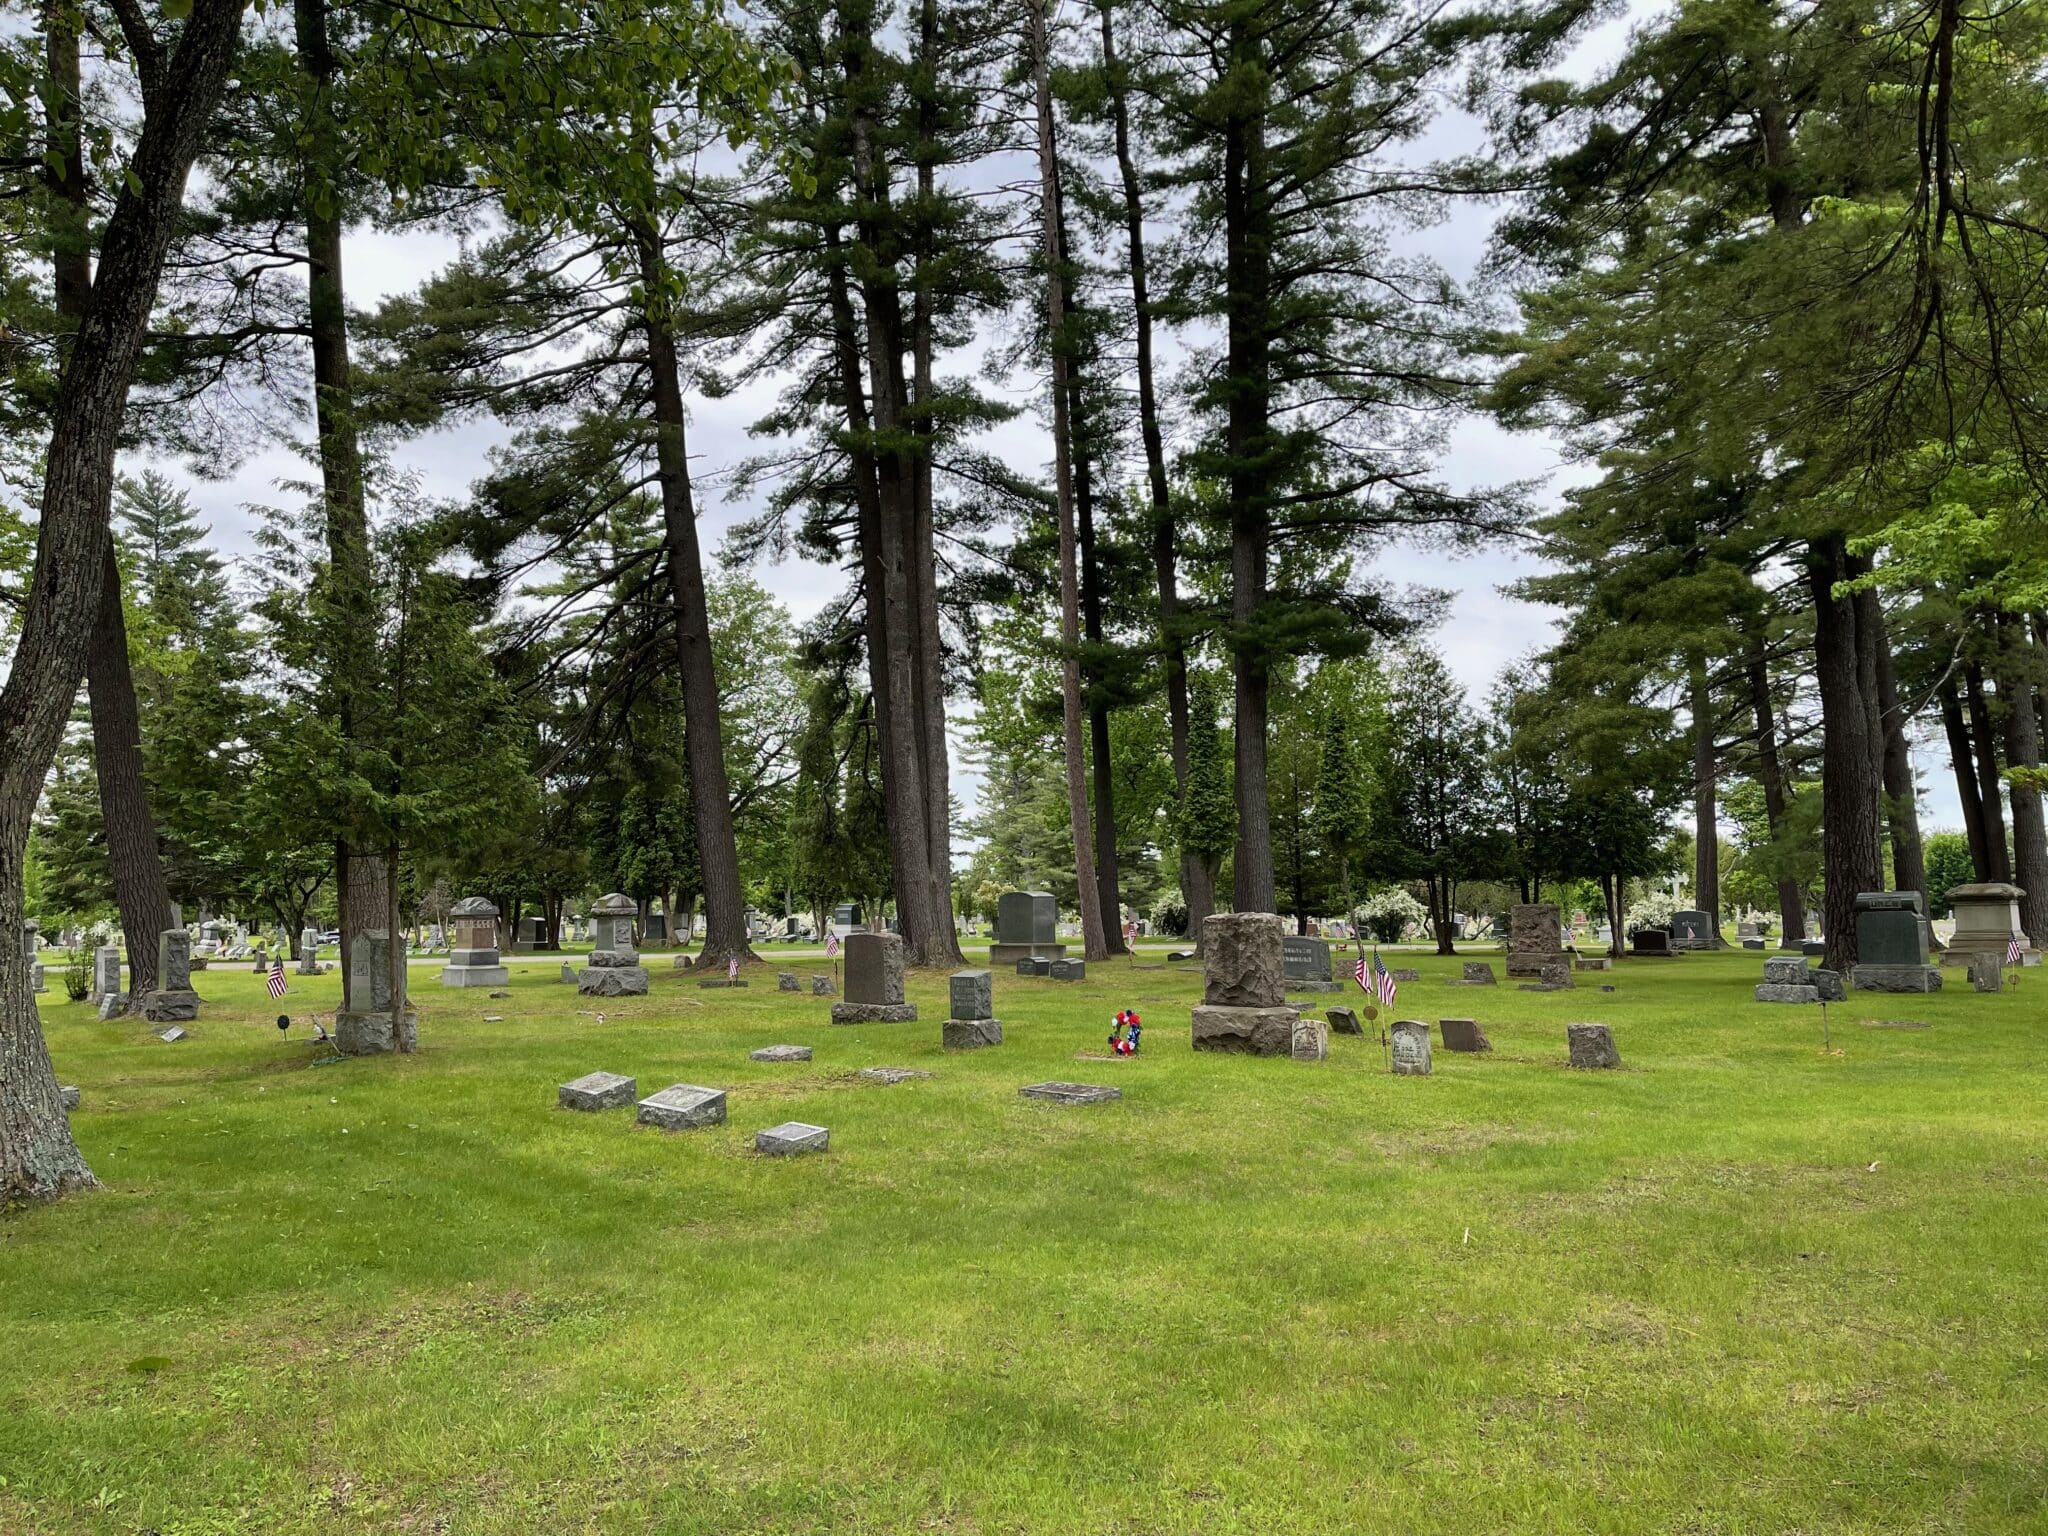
1485,629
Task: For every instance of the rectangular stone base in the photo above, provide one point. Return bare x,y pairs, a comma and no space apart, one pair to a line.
1070,1093
791,1138
1895,978
597,1090
1010,954
1316,986
1532,962
1252,1031
170,1007
683,1107
970,1034
475,975
612,981
873,1013
374,1034
719,981
1786,992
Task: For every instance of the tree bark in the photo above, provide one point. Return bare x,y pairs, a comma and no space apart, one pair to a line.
1706,863
1901,807
1777,798
39,1160
1997,857
725,904
1962,755
1089,894
1247,282
1197,879
133,858
1851,752
2018,680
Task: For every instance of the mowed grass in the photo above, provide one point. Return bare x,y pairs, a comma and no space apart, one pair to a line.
1739,1286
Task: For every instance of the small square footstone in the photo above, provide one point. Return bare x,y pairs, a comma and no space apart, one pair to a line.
790,1138
781,1053
1311,1040
1180,954
683,1107
598,1090
1344,1021
569,974
1752,943
785,981
1463,1035
1070,1093
172,1035
1410,1049
821,986
1034,965
1405,973
69,1093
1607,986
1591,1046
1068,970
1478,973
890,1075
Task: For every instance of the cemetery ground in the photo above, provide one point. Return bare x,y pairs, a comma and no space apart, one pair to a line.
1738,1285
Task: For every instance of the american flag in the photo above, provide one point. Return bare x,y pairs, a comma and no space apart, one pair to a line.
277,984
831,946
2012,951
732,969
1383,979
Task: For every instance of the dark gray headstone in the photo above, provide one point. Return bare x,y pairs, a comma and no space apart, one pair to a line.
1344,1021
1034,965
1026,917
1303,958
971,994
1591,1045
1889,931
1895,978
683,1107
597,1090
1068,970
1828,984
791,1138
1650,941
1070,1093
1692,930
874,968
1463,1035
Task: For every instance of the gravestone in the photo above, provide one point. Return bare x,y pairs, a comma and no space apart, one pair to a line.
1032,966
890,1076
569,973
1478,973
1752,943
1987,973
29,940
785,981
971,1020
173,1000
1781,992
1987,921
1463,1035
1305,964
171,1036
1788,980
1067,970
112,1006
1410,1052
373,1025
1311,1039
1891,944
1557,977
1244,1003
68,1092
781,1053
1344,1021
1405,973
597,1090
309,952
474,961
106,972
1747,930
874,981
1073,1093
682,1107
821,986
614,969
1593,963
1591,1046
1650,941
1692,930
791,1138
1027,924
1535,938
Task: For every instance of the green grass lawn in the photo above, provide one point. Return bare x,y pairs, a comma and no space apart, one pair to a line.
1738,1286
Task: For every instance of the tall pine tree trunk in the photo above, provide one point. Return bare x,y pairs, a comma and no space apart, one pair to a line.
1248,386
725,904
2019,677
1962,755
1984,736
1197,879
1852,751
1777,797
133,859
363,888
1089,895
1901,801
39,1160
1705,785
